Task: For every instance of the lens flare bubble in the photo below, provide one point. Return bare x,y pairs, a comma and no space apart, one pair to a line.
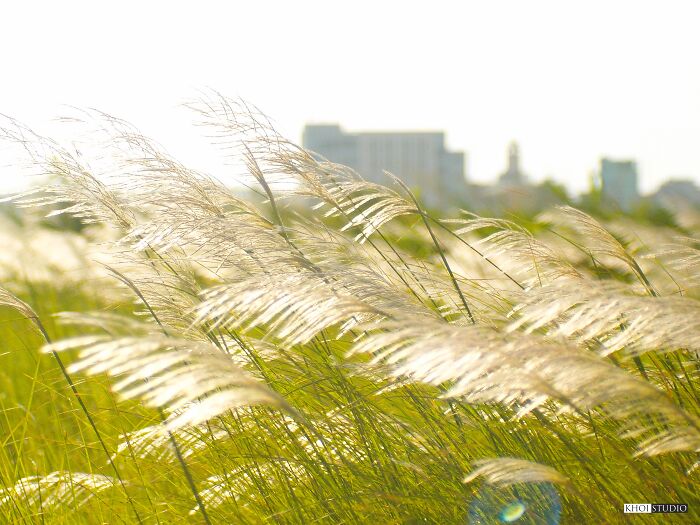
512,512
521,503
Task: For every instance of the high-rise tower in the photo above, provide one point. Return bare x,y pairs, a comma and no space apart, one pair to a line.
513,176
619,182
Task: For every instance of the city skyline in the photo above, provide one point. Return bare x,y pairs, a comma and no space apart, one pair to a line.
437,174
512,175
570,84
336,143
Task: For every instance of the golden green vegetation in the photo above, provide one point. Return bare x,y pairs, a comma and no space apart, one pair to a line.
326,351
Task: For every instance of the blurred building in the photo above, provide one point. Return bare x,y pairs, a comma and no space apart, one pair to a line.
619,182
420,159
514,192
513,176
677,192
682,198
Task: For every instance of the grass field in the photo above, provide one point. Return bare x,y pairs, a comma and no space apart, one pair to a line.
327,351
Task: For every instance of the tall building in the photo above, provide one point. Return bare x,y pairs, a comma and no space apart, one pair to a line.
514,192
513,176
420,159
675,192
619,182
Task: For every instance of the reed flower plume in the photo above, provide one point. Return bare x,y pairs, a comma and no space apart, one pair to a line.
191,378
55,489
506,471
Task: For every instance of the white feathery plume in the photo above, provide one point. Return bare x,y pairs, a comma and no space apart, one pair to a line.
683,256
293,306
507,471
368,206
516,250
175,374
297,305
79,190
339,189
387,273
164,286
238,485
611,314
67,489
152,179
219,245
156,442
337,440
600,242
345,194
10,300
481,365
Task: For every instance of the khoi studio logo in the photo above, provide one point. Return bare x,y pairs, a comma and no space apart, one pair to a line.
655,508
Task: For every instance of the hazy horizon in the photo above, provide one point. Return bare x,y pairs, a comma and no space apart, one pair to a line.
569,84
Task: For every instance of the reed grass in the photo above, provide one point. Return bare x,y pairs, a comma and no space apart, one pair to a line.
328,351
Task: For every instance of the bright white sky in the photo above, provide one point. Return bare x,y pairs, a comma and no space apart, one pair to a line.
568,82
